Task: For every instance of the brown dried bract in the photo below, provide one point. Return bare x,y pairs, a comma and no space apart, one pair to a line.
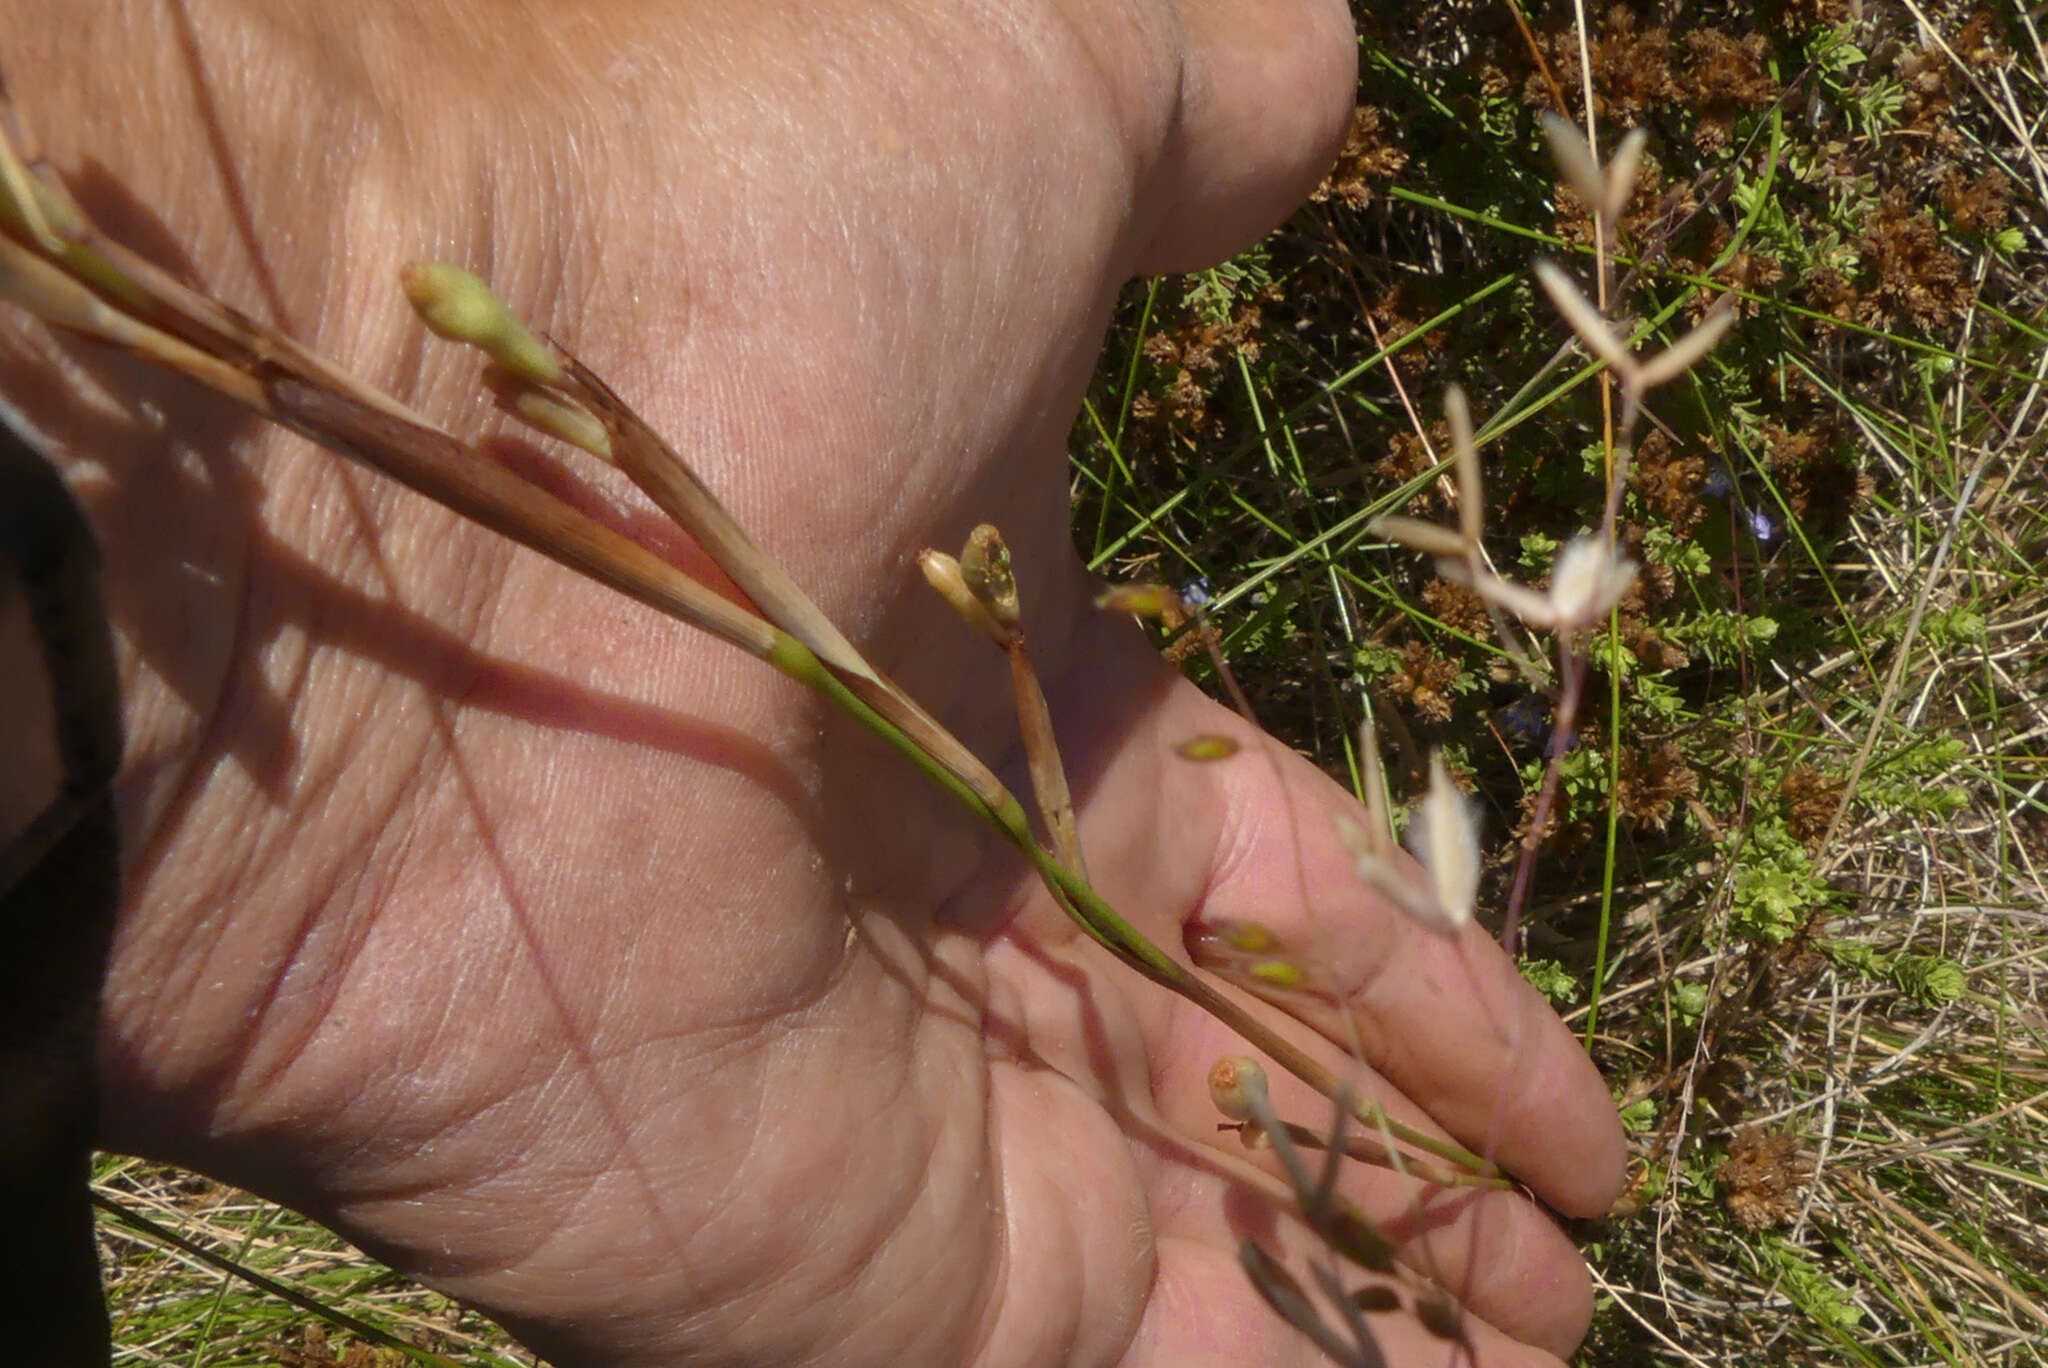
1424,681
1631,67
1912,276
1408,459
1669,481
1976,205
1726,78
1457,607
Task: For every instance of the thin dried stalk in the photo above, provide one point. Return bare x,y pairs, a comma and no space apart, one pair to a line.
665,477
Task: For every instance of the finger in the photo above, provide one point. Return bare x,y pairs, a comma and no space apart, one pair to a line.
1064,1287
1496,1251
1170,839
1203,1311
1144,1060
1448,1020
1266,92
1145,1057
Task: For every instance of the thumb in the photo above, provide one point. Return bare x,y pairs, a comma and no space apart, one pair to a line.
1266,92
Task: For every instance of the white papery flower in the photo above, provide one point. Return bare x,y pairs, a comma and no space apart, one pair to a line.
1587,579
1443,836
1637,375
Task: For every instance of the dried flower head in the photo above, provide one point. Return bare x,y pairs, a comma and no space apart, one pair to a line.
1637,375
1443,836
985,568
1587,579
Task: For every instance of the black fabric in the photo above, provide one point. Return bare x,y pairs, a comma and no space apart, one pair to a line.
59,883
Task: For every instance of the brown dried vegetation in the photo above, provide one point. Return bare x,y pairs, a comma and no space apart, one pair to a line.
1763,1176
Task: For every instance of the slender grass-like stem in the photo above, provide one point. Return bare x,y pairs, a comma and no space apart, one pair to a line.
1104,923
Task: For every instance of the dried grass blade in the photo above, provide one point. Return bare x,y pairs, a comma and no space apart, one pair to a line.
1681,355
1417,535
1621,176
1465,459
665,477
1574,157
144,296
435,464
1042,753
25,200
941,745
54,296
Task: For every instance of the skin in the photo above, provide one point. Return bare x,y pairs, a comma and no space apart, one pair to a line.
583,967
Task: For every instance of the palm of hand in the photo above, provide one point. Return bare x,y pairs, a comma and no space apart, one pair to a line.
583,966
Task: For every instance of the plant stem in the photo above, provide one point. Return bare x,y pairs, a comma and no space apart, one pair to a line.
1102,921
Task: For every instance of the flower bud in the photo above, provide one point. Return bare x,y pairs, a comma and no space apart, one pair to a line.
942,573
1278,973
456,305
1234,1082
1139,600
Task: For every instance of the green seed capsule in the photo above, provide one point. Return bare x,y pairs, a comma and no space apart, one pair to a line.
1205,748
1249,937
1232,1082
1279,973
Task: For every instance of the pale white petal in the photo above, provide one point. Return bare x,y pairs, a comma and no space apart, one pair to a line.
1680,356
1465,451
1574,158
1586,580
1525,603
1444,836
1384,878
1585,319
1418,535
1621,174
1378,834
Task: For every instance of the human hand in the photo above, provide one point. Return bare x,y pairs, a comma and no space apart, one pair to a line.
579,965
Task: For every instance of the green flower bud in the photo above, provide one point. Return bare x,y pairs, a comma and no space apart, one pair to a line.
456,305
1279,973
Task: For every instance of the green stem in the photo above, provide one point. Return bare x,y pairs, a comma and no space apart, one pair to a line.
1102,922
